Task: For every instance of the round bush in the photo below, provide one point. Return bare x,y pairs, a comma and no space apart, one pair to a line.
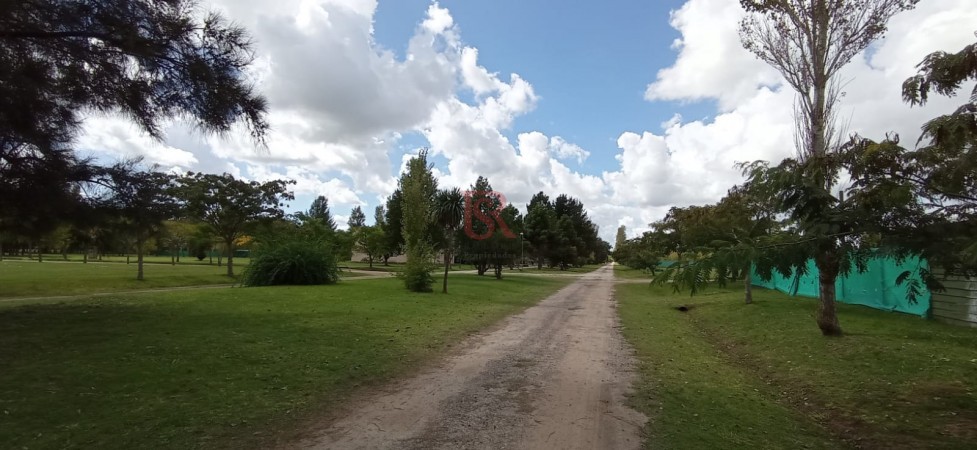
295,262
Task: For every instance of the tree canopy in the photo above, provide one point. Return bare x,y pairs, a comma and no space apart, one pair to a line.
230,206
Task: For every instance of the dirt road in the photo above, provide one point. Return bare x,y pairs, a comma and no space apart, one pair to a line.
554,376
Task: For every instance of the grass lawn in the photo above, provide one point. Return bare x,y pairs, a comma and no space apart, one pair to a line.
729,375
584,269
397,267
625,272
377,266
150,259
32,279
227,368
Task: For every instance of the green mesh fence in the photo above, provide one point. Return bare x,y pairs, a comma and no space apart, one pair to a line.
875,288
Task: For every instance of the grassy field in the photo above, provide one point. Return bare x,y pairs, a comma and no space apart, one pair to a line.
227,368
31,279
584,269
396,267
630,274
728,375
149,259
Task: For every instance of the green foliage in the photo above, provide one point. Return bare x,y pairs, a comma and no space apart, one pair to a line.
319,210
541,229
417,275
296,258
151,61
232,207
449,212
419,187
941,172
372,241
139,201
560,234
393,224
356,218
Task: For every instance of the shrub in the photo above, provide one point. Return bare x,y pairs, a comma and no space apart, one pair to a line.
417,271
295,260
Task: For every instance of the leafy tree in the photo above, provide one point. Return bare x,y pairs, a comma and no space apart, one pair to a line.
475,239
319,210
201,242
39,192
379,216
371,241
418,186
719,241
502,248
620,239
345,243
61,239
231,207
177,235
540,228
394,224
356,218
809,42
149,60
141,200
565,251
602,252
942,172
449,212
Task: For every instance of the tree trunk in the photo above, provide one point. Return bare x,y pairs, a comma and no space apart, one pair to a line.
748,286
498,271
230,256
371,262
447,264
139,273
40,255
827,317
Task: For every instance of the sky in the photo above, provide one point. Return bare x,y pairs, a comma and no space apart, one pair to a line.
630,106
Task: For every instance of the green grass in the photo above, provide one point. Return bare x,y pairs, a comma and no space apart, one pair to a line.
377,266
32,279
149,259
584,269
731,375
625,272
227,368
398,267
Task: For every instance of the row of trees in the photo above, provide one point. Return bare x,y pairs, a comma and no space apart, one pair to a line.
138,206
475,227
898,202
